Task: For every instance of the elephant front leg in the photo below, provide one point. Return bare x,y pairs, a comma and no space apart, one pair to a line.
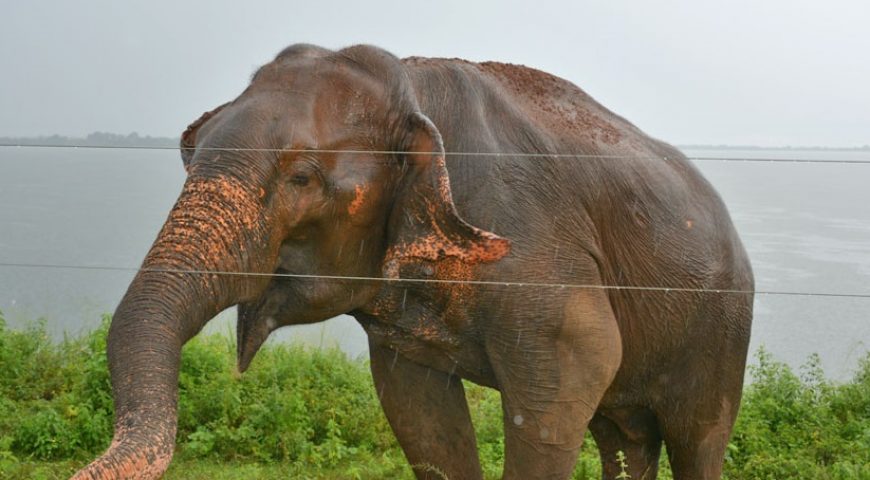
553,373
429,415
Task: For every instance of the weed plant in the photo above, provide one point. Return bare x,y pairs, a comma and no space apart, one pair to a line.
305,412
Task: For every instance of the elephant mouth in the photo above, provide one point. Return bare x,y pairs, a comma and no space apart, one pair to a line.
256,321
252,332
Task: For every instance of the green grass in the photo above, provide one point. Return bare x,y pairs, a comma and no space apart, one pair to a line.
275,420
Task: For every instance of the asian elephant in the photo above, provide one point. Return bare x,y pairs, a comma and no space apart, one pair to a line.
481,221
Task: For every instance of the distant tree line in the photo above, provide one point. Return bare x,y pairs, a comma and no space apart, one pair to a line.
786,147
95,139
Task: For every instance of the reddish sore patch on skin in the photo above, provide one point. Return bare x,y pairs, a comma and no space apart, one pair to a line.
358,200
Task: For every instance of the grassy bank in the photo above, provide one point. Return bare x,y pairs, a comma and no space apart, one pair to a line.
306,413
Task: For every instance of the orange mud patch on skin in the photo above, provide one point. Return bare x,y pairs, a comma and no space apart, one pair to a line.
482,246
444,192
228,192
467,244
451,264
557,103
206,222
436,246
427,333
120,462
449,303
460,296
443,247
359,199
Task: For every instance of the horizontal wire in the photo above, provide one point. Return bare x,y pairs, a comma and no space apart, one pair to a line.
440,281
467,154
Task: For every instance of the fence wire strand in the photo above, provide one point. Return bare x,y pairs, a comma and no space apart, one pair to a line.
576,156
491,283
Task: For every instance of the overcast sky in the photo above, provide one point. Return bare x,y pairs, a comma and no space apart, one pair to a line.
771,72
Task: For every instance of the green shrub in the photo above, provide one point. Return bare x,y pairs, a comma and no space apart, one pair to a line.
803,426
273,421
275,411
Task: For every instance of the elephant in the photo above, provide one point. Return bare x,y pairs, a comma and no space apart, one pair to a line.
485,222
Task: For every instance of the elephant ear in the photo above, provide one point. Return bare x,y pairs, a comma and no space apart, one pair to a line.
188,137
425,224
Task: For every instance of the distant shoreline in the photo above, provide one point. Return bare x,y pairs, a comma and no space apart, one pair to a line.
105,139
95,139
865,148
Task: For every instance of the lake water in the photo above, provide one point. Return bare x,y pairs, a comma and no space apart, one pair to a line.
806,227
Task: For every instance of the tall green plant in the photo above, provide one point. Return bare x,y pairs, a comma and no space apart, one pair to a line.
299,411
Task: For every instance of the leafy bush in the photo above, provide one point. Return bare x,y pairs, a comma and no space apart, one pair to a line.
300,410
56,401
803,426
56,404
276,412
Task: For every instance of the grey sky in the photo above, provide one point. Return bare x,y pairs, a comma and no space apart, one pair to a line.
772,72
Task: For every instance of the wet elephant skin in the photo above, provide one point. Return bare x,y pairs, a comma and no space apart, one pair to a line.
355,171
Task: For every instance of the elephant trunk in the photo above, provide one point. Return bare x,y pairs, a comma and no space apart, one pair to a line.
216,226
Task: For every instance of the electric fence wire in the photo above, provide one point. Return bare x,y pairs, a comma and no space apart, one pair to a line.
577,156
491,283
443,281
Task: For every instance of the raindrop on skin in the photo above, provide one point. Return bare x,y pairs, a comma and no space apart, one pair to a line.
450,375
518,420
395,359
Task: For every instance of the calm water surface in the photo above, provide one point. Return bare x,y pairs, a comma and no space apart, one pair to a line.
806,227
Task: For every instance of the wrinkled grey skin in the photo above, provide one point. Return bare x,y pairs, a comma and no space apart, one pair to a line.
636,367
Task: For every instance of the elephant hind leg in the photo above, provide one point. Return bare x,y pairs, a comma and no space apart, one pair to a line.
635,433
697,414
697,434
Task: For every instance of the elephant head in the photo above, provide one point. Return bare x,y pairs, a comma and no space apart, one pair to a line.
299,175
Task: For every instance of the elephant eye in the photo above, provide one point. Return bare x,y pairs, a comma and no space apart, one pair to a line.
299,179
